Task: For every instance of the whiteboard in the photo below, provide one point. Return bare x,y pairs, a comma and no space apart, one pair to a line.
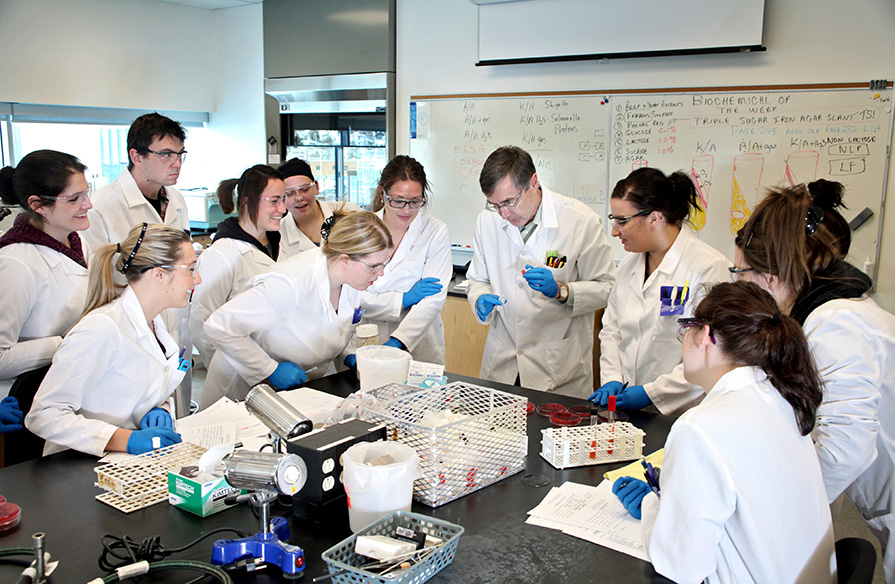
735,144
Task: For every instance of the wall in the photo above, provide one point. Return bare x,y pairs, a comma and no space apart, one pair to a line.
809,41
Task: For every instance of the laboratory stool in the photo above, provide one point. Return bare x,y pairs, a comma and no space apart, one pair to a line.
856,559
22,446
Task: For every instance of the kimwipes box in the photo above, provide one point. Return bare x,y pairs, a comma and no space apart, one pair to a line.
201,495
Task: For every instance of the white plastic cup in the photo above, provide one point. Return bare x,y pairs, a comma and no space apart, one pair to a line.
375,491
367,334
379,365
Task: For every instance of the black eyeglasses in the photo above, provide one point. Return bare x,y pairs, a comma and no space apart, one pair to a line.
737,271
685,323
619,221
401,203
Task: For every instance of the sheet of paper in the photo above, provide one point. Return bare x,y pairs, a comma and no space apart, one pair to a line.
635,469
213,435
315,405
596,508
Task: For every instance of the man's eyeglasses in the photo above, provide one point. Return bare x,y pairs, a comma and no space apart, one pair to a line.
619,220
509,204
686,323
372,267
77,198
169,155
401,203
302,190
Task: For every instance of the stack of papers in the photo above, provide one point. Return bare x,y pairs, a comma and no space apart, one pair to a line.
593,514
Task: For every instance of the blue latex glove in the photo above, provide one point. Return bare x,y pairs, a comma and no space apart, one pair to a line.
140,441
632,398
157,418
630,492
422,289
601,396
485,303
350,361
287,375
541,279
11,417
393,342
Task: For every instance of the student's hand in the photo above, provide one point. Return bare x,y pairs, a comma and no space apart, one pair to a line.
422,289
541,279
287,375
485,303
350,361
11,416
157,418
141,441
632,398
393,342
630,492
601,396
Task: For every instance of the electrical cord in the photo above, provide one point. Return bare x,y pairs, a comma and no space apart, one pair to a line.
17,551
207,569
123,551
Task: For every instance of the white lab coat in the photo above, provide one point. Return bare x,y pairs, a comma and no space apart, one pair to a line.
548,344
43,295
225,268
108,372
853,343
425,252
293,241
639,345
742,497
285,315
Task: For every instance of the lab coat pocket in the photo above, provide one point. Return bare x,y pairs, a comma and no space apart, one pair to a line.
565,361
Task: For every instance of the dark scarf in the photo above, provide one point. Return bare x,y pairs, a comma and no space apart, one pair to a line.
229,229
23,232
840,280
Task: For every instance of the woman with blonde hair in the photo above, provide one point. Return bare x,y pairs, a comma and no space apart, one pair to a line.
109,384
296,320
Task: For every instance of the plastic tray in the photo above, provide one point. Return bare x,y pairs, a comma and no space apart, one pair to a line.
342,557
587,445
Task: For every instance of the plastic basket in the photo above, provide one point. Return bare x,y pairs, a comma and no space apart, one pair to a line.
343,562
587,445
140,481
467,437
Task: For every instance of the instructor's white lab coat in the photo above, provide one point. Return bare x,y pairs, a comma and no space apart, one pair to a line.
294,241
548,344
43,294
425,252
853,343
742,497
285,315
108,372
225,268
638,344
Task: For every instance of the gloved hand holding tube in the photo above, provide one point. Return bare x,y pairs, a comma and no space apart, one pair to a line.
485,303
542,280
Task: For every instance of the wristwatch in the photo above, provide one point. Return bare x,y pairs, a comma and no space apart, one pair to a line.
563,294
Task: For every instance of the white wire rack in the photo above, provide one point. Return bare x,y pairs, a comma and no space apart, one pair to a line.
587,445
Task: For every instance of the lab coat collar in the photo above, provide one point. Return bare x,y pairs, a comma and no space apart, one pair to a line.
133,311
741,378
321,275
674,255
549,220
134,197
410,238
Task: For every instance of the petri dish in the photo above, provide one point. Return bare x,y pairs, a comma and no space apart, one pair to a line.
581,410
603,416
560,419
10,515
548,410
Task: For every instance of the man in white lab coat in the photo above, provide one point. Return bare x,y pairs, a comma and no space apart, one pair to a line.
541,267
145,193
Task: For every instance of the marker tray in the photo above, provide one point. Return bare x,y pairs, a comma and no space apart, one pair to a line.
342,556
587,445
467,437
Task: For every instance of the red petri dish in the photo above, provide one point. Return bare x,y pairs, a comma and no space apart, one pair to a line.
529,408
548,410
581,410
10,515
560,419
603,416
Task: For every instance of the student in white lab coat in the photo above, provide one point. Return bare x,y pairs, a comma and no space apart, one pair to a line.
791,248
243,246
405,303
301,228
43,261
109,384
541,267
298,318
742,496
656,283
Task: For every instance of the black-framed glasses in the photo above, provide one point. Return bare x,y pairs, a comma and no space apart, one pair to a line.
401,203
686,323
509,204
619,220
302,190
735,272
169,155
372,267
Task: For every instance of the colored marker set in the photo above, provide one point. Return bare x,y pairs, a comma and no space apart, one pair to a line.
554,260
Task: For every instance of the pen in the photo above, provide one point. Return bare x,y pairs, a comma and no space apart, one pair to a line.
182,351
